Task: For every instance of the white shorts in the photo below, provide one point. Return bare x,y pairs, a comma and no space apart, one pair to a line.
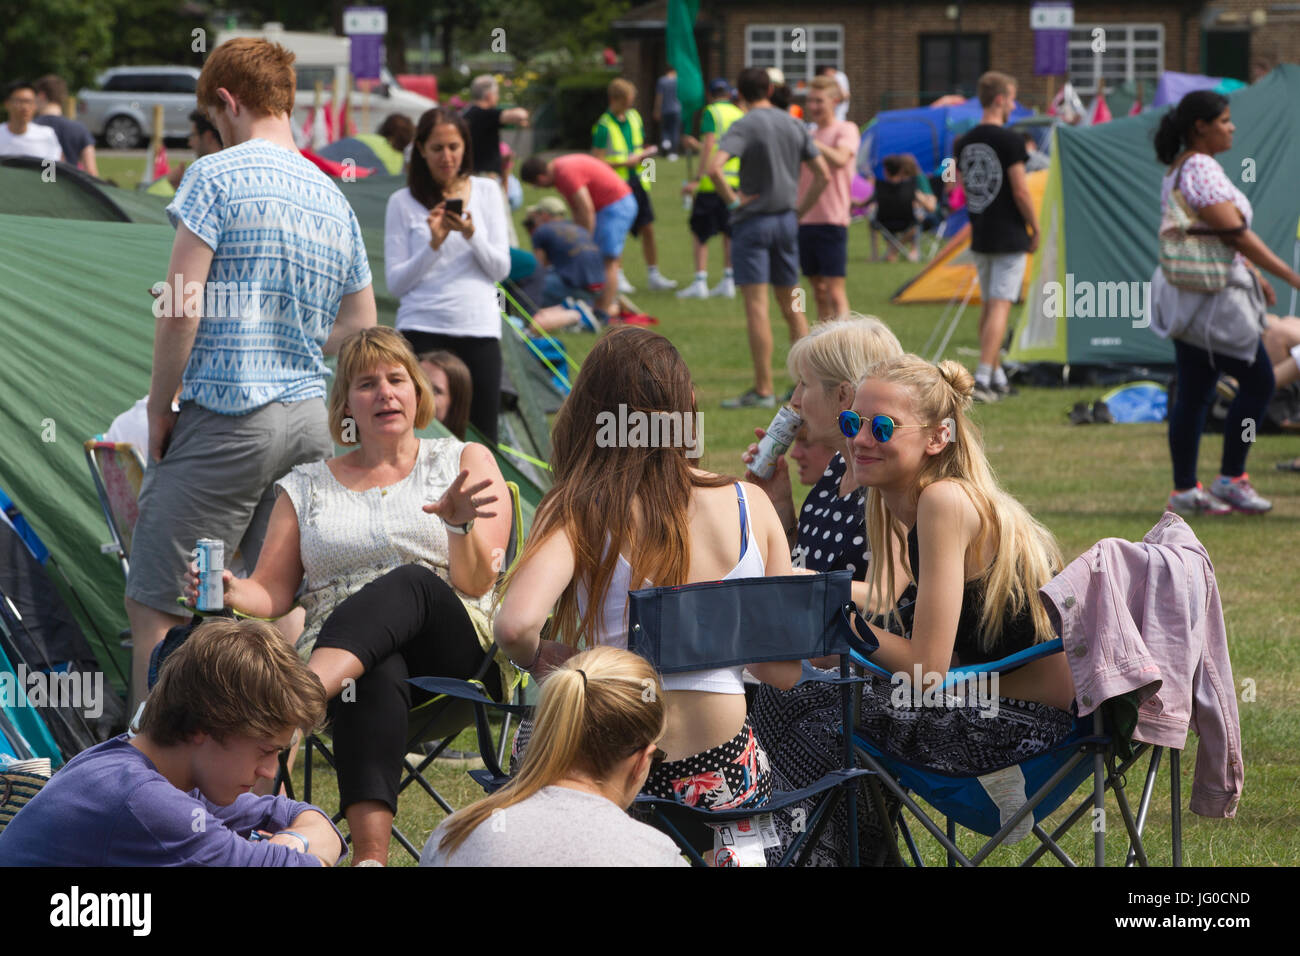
1001,274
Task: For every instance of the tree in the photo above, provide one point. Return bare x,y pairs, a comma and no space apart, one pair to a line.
73,38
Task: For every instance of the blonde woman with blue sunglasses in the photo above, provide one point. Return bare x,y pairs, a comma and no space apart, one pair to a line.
977,558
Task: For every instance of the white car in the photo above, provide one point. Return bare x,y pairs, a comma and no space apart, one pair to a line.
121,111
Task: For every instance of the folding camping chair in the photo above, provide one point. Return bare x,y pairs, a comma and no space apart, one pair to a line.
438,721
722,624
117,469
1050,779
752,620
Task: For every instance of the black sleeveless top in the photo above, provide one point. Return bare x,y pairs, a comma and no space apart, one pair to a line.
1017,631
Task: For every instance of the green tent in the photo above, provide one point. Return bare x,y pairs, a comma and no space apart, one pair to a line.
1088,291
524,431
76,332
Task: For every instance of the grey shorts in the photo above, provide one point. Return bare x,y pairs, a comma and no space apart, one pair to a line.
765,248
1001,274
217,481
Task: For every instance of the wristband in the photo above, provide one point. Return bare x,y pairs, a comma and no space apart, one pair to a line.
306,844
465,528
536,657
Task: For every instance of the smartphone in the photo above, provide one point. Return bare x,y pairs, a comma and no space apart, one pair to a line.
454,206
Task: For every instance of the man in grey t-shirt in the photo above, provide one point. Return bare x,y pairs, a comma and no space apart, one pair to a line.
668,112
764,232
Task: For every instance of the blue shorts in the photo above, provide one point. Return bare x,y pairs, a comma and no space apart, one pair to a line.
555,290
765,249
612,224
824,250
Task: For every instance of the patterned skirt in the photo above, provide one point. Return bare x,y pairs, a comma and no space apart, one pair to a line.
802,726
731,776
963,736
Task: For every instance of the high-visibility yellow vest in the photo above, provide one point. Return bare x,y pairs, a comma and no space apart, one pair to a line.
724,114
617,148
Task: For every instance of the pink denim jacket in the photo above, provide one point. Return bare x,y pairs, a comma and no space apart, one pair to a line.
1146,617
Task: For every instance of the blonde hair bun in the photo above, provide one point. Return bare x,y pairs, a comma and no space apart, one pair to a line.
959,379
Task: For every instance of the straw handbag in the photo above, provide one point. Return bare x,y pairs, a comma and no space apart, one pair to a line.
1193,256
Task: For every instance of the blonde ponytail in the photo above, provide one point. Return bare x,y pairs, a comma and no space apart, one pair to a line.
595,711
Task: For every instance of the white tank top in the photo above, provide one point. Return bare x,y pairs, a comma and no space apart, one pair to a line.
611,628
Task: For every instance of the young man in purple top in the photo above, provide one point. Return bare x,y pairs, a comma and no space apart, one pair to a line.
179,792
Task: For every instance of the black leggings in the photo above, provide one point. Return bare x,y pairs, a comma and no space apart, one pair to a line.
483,357
408,623
1196,378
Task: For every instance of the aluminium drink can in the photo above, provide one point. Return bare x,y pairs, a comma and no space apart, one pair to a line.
210,556
780,436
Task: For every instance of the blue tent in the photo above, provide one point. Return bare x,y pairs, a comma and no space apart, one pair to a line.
927,132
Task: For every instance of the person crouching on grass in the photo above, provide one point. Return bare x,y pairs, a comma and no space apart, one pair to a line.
178,793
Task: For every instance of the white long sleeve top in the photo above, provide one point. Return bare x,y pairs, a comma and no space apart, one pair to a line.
451,291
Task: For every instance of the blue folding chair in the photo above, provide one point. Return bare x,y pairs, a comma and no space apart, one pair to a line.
744,621
1051,778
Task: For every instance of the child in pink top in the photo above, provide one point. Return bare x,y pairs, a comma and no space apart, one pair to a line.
824,229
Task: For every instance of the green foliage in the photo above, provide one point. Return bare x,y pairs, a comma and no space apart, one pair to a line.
579,99
583,24
77,39
155,31
73,38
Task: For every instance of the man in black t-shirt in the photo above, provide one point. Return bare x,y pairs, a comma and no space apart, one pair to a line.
1003,222
485,120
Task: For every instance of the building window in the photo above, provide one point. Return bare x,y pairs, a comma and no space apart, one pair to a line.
1132,51
797,50
952,63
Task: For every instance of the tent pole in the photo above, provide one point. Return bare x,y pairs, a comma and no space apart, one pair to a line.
1295,264
970,291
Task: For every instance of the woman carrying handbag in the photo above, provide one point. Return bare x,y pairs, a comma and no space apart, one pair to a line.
1209,297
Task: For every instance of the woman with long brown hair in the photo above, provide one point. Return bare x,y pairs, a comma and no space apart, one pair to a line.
445,248
630,510
598,725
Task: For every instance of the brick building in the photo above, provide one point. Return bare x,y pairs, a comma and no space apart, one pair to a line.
899,54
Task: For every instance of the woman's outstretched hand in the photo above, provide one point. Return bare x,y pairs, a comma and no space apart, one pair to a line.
460,505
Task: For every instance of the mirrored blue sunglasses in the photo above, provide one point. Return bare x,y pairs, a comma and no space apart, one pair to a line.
882,426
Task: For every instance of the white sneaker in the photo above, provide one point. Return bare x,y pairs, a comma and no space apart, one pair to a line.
698,289
726,289
661,283
624,286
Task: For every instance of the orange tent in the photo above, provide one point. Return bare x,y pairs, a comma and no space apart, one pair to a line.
952,272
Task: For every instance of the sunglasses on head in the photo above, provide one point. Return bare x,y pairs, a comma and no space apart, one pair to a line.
882,426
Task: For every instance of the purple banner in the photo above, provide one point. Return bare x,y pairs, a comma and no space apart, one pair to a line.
1051,52
367,56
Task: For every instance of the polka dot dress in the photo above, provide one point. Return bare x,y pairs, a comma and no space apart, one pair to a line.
832,529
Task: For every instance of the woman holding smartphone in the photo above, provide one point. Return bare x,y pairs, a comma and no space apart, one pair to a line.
445,249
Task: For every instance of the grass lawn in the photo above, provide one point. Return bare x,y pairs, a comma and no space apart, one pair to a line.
1084,483
126,171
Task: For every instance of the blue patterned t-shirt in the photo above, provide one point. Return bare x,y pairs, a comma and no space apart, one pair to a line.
286,249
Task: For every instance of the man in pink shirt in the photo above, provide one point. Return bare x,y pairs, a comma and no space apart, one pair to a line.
824,229
602,203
